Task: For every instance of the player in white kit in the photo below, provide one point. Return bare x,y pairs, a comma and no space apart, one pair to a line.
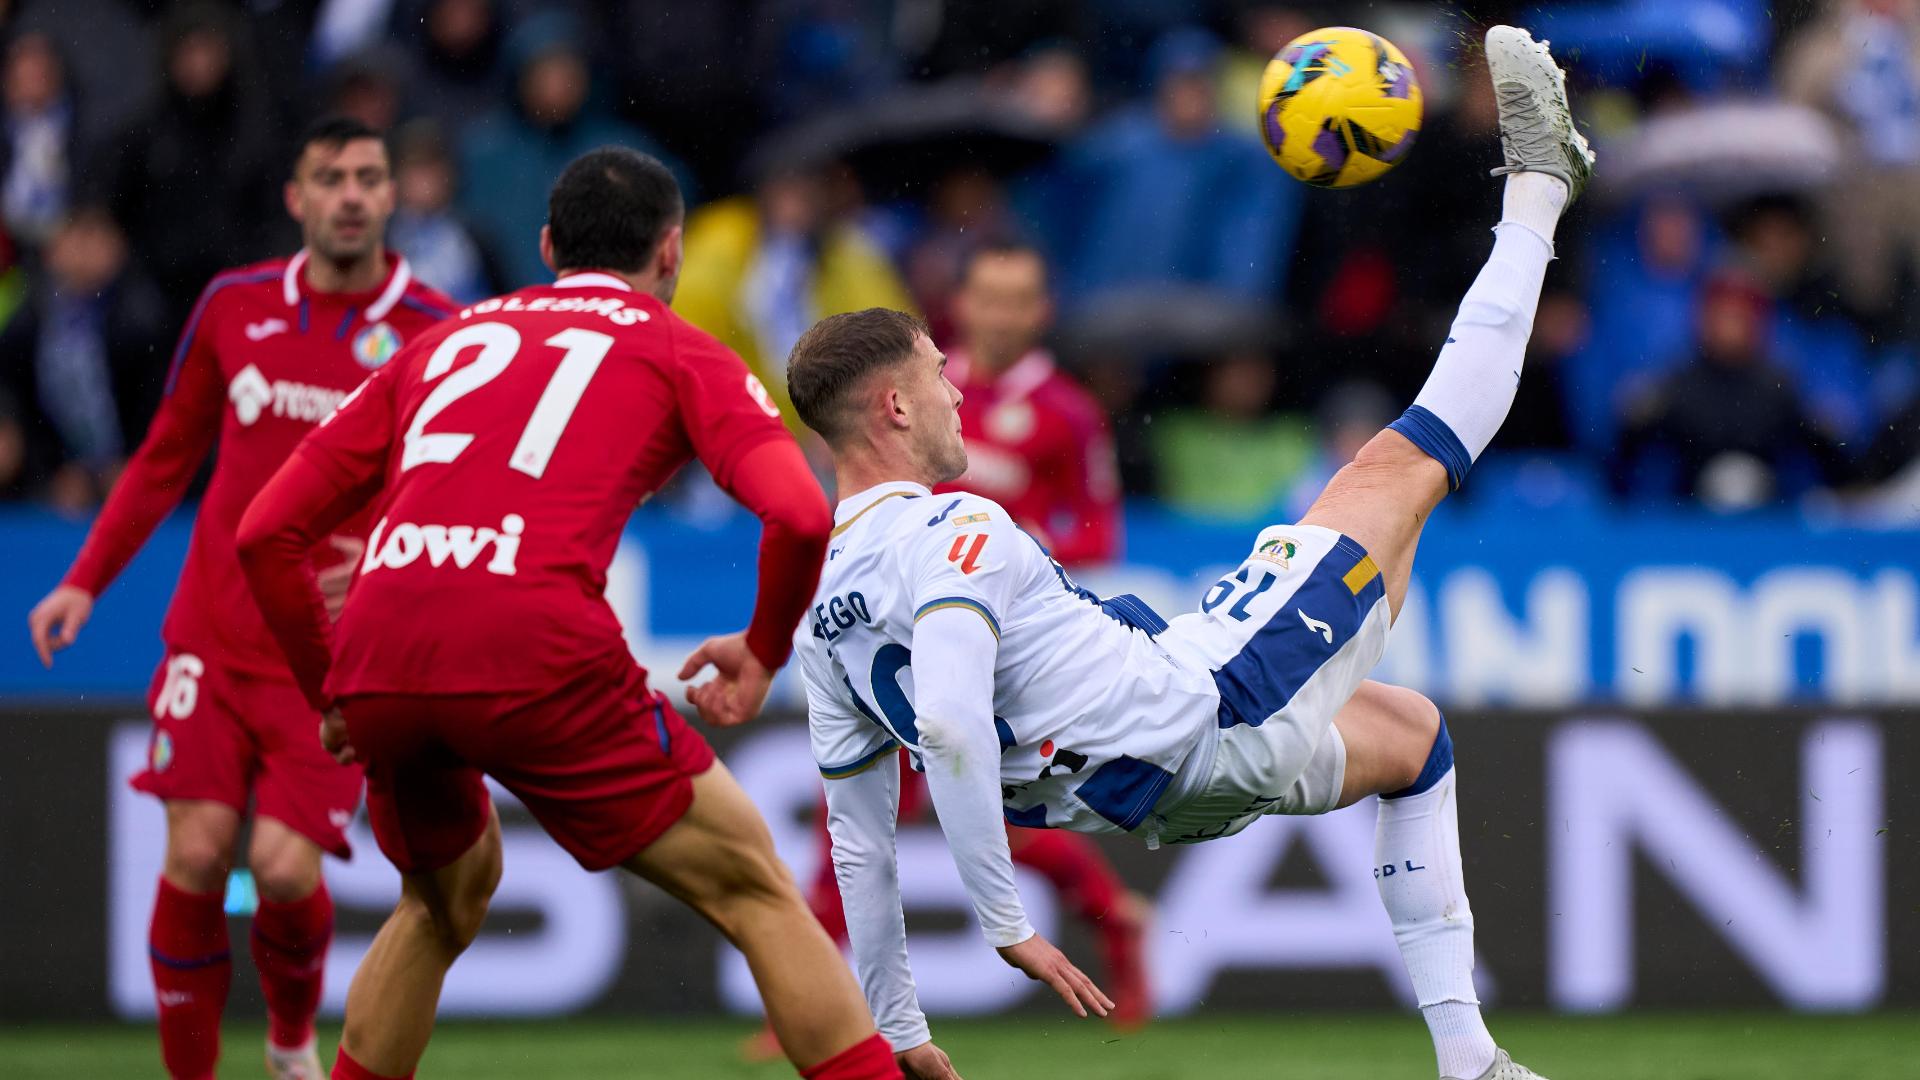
941,627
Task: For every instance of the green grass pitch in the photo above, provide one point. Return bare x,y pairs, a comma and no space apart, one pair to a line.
1736,1046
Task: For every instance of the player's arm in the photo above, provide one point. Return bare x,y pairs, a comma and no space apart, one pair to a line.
333,473
953,658
860,765
741,441
861,817
967,576
152,484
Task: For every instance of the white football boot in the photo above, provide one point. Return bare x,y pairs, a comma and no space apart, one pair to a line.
1536,124
300,1064
1503,1068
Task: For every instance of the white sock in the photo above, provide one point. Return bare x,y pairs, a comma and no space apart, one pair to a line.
1535,201
1417,868
1466,398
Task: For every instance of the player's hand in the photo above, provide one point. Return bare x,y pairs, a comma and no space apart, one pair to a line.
333,736
335,579
1043,963
926,1062
736,694
56,621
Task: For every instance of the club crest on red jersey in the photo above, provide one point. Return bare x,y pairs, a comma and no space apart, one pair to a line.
375,345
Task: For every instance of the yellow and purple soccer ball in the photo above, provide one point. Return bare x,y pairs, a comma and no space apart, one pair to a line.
1339,107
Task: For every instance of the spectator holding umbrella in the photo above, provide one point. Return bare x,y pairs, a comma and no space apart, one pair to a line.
1861,65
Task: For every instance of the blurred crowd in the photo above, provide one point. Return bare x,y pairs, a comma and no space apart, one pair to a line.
1731,321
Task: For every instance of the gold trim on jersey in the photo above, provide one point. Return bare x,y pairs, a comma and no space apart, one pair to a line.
848,524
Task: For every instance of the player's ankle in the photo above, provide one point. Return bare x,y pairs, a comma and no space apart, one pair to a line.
289,1036
346,1068
1534,201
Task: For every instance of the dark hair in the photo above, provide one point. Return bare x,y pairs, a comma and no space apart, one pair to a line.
609,209
1005,249
837,354
333,131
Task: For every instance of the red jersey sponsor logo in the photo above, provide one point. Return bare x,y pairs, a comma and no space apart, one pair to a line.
251,395
403,544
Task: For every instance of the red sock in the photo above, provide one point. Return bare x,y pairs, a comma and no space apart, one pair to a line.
290,949
192,967
345,1068
869,1059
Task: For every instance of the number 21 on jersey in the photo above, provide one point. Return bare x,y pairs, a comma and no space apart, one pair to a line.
499,344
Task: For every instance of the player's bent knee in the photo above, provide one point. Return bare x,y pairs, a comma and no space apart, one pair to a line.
198,865
1388,457
286,879
1419,724
199,855
285,872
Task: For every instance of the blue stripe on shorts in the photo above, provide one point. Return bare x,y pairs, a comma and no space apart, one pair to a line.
1282,655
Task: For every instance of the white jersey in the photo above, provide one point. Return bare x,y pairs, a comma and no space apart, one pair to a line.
1094,717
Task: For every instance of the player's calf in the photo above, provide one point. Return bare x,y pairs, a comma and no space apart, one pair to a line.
396,991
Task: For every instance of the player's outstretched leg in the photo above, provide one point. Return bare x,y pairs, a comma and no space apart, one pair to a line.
1383,497
396,990
719,860
291,931
1397,747
187,939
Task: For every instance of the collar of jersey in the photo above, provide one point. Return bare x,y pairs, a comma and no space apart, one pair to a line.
852,507
293,285
592,280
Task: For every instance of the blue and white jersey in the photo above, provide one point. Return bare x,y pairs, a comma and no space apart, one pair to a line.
1094,716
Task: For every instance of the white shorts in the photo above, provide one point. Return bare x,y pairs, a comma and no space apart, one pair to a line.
1287,637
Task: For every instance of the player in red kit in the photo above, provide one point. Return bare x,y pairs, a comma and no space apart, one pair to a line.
503,452
1037,443
268,352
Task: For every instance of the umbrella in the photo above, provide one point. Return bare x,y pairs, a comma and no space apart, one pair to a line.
1722,153
912,136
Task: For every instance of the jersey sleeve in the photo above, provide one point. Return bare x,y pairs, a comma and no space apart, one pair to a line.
724,407
157,475
862,819
970,555
845,743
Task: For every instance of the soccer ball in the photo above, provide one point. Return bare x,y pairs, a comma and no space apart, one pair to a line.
1339,107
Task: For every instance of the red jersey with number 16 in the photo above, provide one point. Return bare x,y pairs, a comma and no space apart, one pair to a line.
513,441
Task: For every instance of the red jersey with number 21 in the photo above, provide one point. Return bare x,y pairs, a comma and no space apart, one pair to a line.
513,441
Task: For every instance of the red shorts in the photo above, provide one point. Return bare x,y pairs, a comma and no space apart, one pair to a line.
223,735
604,764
